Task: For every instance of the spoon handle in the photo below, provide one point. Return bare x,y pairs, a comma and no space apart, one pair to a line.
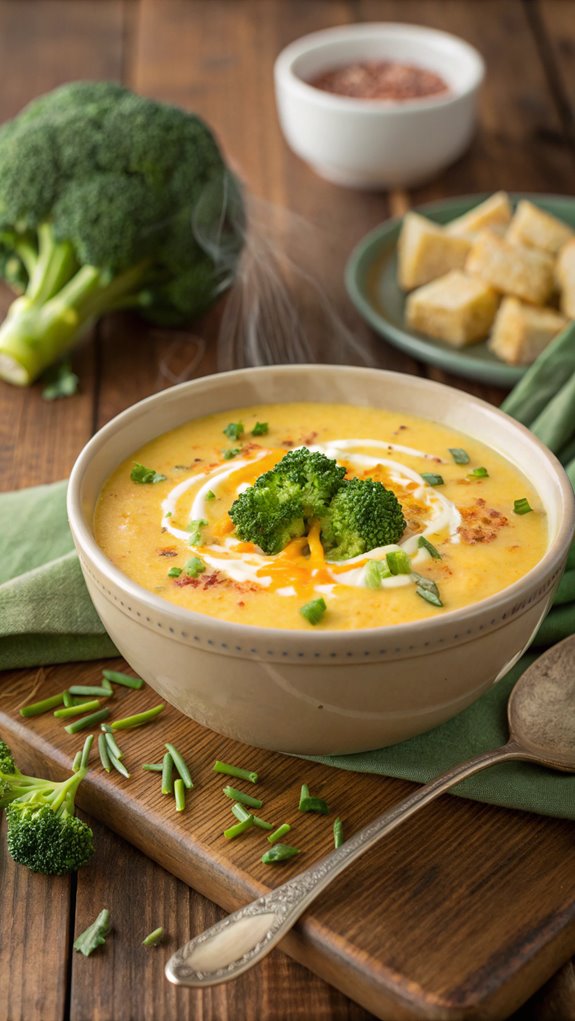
240,940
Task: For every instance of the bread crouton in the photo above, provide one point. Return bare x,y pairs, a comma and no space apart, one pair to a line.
455,308
523,272
535,228
493,212
426,251
521,332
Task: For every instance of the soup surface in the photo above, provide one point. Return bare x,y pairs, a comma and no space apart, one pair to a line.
464,539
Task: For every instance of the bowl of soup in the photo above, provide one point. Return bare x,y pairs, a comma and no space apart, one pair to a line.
407,634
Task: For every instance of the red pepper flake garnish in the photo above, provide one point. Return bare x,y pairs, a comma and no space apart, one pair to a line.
167,551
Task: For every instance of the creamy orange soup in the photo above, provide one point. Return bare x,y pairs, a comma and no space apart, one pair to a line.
465,511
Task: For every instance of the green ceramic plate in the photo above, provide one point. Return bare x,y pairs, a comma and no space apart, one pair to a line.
371,281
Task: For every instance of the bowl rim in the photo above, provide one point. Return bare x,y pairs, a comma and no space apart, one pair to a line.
285,75
536,576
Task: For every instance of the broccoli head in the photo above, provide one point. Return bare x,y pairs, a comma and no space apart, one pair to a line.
109,200
362,516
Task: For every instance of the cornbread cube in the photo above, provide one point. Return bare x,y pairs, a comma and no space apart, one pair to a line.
426,251
521,332
493,212
566,278
535,228
526,273
456,308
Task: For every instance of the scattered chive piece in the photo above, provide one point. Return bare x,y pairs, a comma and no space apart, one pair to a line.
143,475
314,610
279,833
89,689
375,572
232,452
304,793
433,479
125,679
138,719
244,799
76,710
104,754
194,567
260,429
279,852
86,751
168,514
153,939
337,832
427,589
241,774
479,473
180,764
314,805
424,543
459,455
87,721
522,506
210,495
195,529
398,562
167,782
174,572
67,699
77,763
180,794
153,767
118,764
239,827
112,744
37,708
234,430
242,813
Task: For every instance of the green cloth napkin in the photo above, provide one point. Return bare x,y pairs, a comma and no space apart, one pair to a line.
46,616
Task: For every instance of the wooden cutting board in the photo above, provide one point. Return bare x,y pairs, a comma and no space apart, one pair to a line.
463,912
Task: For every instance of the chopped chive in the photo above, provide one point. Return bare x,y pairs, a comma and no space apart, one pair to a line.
113,745
194,567
522,506
180,794
424,543
428,590
143,475
260,429
174,572
279,833
210,495
104,753
479,473
241,774
279,852
337,832
238,828
76,710
232,452
242,813
180,764
86,751
398,562
433,479
375,572
314,805
125,679
153,939
234,430
153,767
195,529
89,689
138,719
118,764
244,799
314,610
167,781
67,699
87,721
304,793
459,455
37,708
77,763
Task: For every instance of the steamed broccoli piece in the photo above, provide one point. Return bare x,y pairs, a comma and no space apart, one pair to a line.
362,516
278,507
108,200
43,832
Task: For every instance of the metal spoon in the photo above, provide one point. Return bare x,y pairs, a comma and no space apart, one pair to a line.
541,715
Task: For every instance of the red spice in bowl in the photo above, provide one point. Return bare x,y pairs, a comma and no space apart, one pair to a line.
380,79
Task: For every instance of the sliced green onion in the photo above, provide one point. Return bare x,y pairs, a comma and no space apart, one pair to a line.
67,699
459,455
433,479
194,567
153,939
314,610
104,753
522,506
86,751
125,679
260,429
76,710
37,708
279,852
375,572
89,689
238,828
309,804
167,781
210,495
174,572
424,543
107,686
144,476
244,799
337,832
479,473
234,430
112,744
195,529
153,767
241,774
180,764
77,763
232,452
180,794
87,721
427,589
139,719
279,833
118,764
398,562
242,813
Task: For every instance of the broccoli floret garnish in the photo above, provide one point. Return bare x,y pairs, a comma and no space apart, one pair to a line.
108,200
43,832
362,516
278,507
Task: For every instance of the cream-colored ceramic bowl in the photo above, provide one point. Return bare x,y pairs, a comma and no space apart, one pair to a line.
318,691
377,143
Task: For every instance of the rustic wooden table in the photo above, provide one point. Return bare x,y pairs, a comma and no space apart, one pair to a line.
215,56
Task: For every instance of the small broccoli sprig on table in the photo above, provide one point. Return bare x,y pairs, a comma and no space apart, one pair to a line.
44,834
362,516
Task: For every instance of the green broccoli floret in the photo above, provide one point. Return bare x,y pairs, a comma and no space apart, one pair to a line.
362,516
280,504
43,832
108,200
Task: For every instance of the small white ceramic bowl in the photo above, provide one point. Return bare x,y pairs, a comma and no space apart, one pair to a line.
317,691
377,143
